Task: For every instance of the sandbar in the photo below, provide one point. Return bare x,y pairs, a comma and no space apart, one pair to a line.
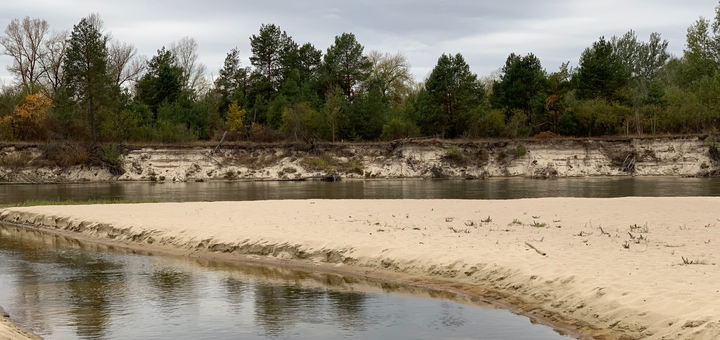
620,268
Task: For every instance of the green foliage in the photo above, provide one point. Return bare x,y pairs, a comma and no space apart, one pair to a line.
162,84
520,151
517,124
302,121
454,154
85,66
345,64
186,112
622,85
232,80
522,81
598,117
269,48
398,128
167,132
111,154
450,90
367,116
486,123
601,73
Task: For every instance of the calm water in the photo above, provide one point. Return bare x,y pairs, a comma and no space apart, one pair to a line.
64,289
381,189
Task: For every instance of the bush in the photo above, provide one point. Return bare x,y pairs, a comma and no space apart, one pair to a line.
486,124
111,154
520,151
454,154
398,129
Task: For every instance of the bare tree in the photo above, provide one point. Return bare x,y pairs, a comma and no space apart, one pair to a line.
490,79
23,42
185,52
51,62
95,21
392,73
124,65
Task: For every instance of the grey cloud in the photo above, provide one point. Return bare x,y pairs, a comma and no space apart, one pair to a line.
485,32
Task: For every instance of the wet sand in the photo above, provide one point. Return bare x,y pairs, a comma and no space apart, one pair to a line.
625,268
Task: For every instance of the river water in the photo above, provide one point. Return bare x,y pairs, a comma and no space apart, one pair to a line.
64,289
375,189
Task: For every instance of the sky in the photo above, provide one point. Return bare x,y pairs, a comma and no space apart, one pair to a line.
485,32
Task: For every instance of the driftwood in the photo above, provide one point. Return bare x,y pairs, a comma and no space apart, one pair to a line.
221,140
537,250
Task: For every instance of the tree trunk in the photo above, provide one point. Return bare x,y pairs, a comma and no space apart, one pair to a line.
92,122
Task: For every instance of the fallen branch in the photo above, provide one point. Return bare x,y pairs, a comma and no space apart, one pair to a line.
603,232
537,250
221,140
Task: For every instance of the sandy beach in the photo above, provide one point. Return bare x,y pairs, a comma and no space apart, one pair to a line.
625,268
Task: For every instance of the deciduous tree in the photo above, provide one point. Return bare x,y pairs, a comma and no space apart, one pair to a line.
391,73
23,42
186,58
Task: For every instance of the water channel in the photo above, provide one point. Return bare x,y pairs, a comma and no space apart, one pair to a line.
64,289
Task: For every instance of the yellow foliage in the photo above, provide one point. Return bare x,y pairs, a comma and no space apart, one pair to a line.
26,117
34,108
235,118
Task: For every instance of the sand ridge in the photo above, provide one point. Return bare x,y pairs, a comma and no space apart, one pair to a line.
625,268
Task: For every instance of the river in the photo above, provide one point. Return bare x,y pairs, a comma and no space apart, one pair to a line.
512,188
61,288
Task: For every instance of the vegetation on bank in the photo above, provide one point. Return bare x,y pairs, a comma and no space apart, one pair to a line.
85,88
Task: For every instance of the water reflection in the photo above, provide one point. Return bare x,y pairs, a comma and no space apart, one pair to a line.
65,289
505,188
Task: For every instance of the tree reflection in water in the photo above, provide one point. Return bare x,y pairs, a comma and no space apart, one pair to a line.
65,289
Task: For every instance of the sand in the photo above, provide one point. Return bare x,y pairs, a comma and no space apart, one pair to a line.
8,331
625,268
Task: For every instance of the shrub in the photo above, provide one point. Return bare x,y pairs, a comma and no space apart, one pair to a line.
314,163
454,154
398,128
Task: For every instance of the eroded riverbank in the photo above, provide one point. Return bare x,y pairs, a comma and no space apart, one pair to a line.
648,273
688,156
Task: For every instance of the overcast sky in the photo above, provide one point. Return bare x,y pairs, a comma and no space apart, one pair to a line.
485,32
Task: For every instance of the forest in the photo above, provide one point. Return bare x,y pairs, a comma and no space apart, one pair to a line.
84,86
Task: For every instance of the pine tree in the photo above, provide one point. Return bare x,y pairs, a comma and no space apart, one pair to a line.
346,65
450,91
85,67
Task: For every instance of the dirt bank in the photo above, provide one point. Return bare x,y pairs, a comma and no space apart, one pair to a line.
672,156
627,268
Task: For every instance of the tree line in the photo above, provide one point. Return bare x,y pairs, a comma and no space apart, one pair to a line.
85,85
